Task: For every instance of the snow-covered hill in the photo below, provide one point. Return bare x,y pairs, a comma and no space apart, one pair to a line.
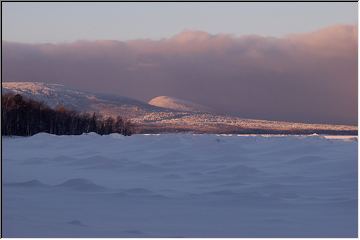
177,104
186,117
56,94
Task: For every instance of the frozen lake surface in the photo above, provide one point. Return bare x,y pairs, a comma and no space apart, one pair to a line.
179,185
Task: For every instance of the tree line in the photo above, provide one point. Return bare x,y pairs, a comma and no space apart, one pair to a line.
26,117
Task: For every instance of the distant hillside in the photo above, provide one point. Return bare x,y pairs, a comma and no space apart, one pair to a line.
177,104
188,117
25,117
55,94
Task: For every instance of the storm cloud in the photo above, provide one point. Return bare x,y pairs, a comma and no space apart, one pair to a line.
307,77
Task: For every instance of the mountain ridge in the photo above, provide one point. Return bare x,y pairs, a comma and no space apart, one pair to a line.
155,119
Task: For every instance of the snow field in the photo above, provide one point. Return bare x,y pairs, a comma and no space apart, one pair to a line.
179,185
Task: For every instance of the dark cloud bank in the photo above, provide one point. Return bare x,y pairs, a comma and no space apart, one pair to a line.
309,77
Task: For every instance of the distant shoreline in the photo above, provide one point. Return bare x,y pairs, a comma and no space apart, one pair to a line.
251,131
148,119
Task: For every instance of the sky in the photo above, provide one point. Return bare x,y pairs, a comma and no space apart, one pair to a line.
276,61
39,22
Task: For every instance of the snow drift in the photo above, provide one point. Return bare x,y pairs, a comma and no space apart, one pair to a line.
180,185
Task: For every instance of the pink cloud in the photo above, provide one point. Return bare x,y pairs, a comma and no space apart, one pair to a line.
309,77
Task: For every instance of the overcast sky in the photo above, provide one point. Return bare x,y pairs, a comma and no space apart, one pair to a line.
299,63
65,22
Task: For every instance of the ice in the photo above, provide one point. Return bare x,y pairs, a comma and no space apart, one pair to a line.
179,185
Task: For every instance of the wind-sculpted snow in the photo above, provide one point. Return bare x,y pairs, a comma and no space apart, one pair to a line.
179,185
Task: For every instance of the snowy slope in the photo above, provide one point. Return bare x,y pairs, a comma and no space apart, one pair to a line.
56,94
177,104
179,185
187,117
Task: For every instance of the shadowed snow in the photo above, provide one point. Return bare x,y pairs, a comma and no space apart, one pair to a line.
180,185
